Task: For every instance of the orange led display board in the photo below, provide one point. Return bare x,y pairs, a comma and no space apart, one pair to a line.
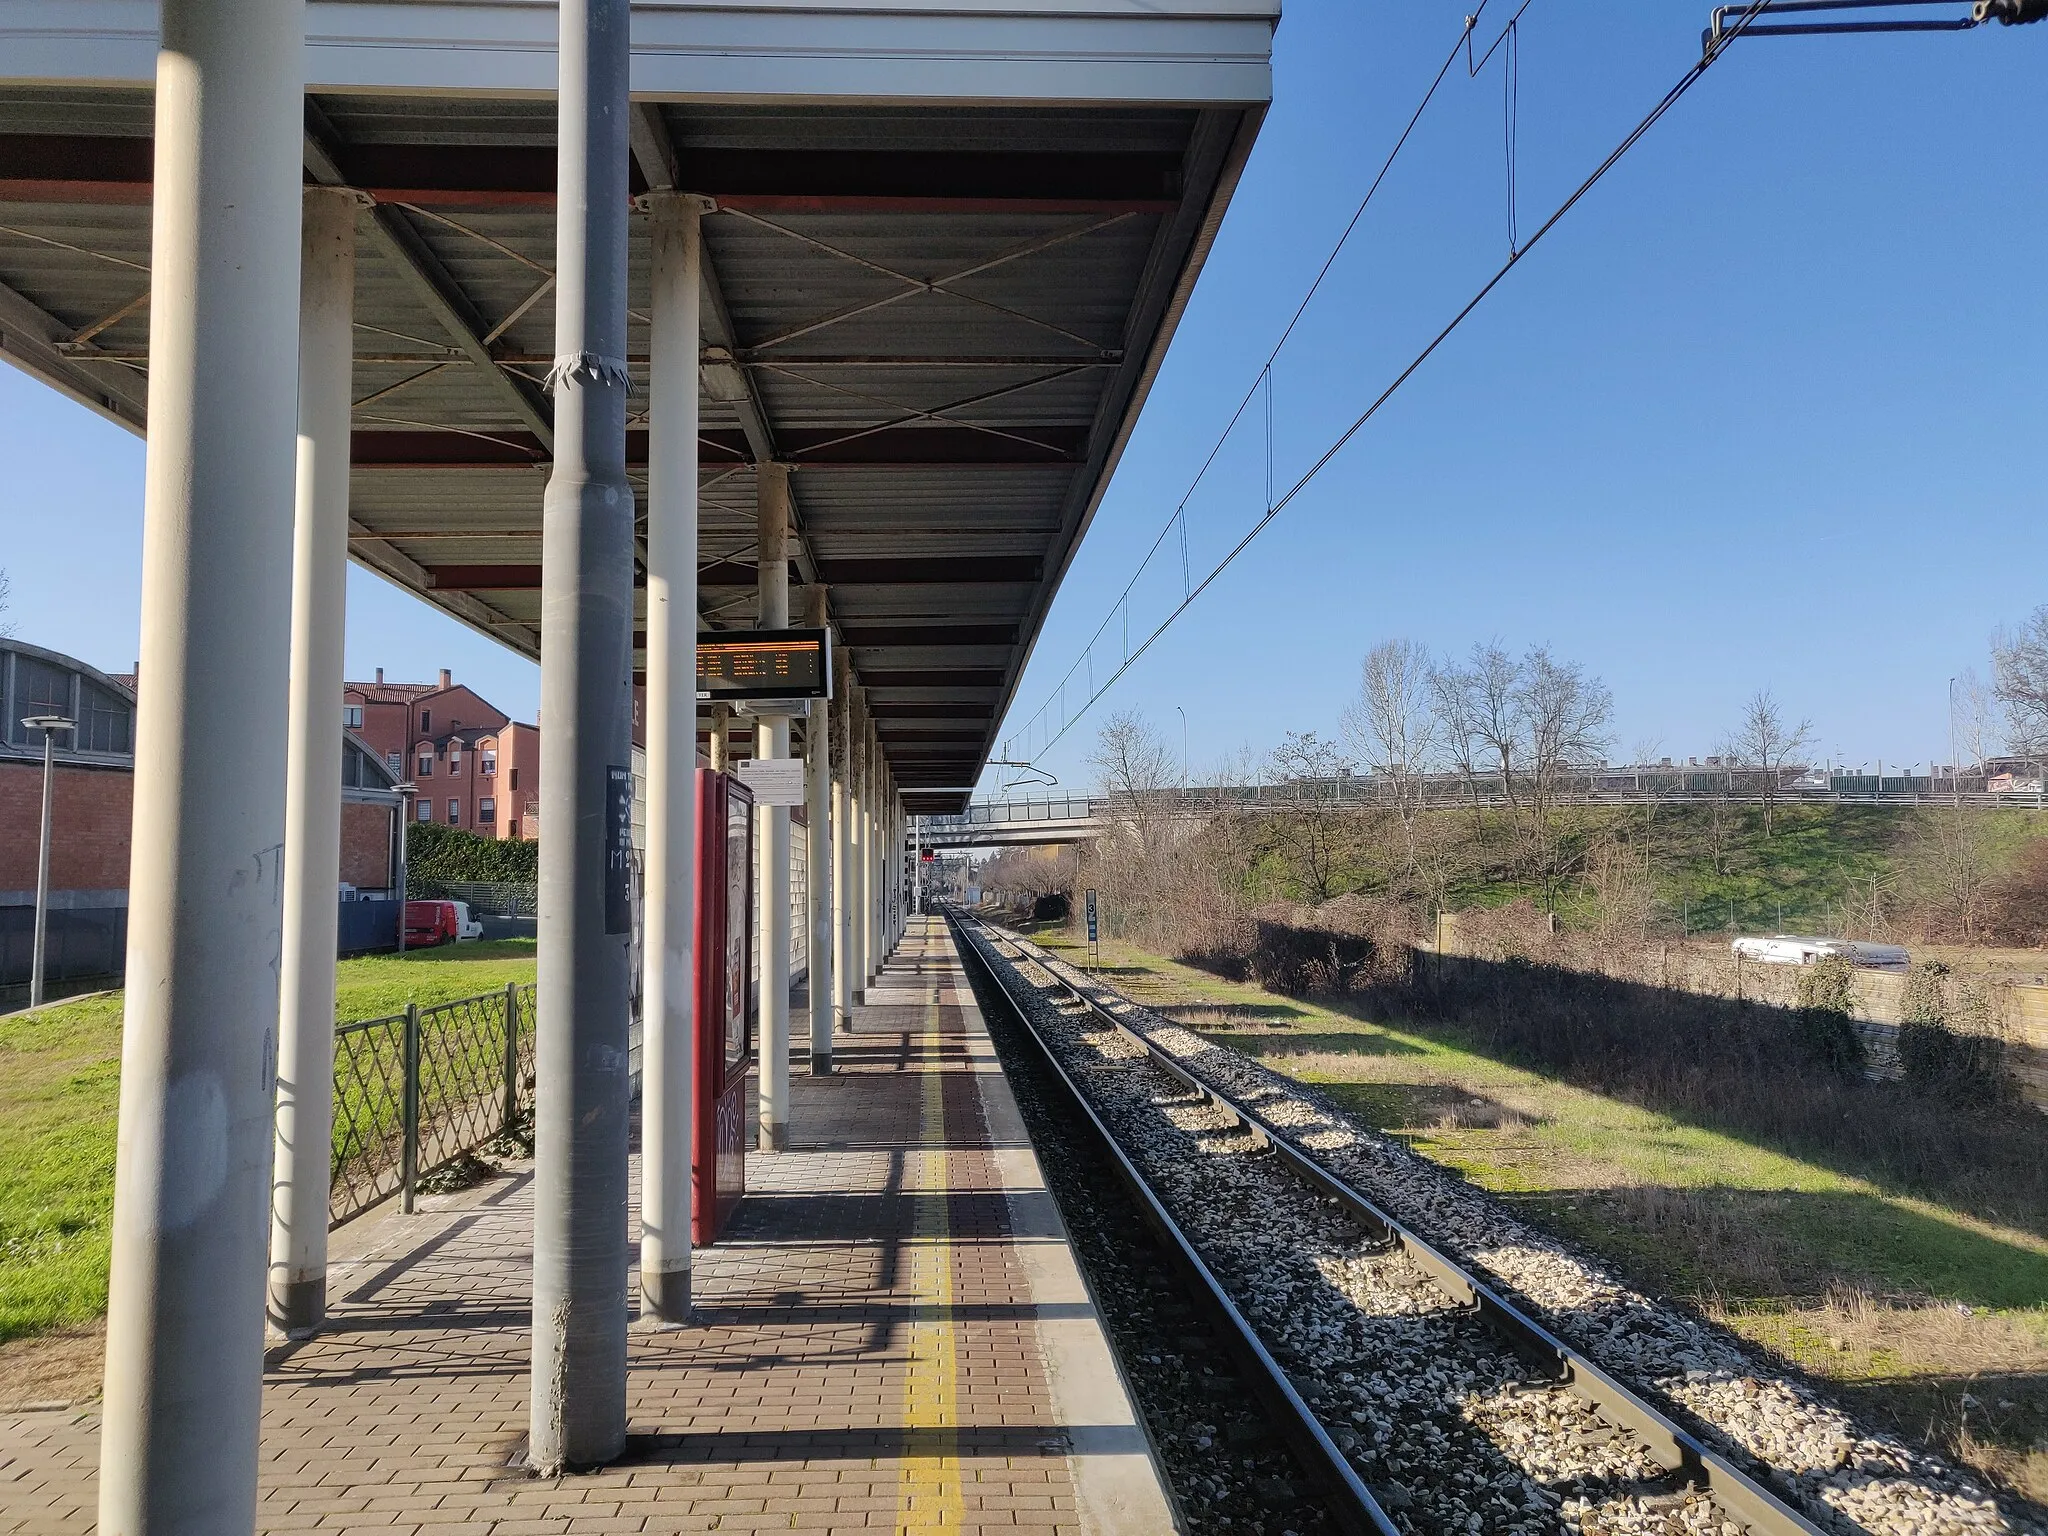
765,664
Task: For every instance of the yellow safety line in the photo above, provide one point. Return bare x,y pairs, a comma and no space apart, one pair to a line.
929,1497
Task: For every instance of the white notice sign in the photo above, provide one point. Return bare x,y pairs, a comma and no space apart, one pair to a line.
774,780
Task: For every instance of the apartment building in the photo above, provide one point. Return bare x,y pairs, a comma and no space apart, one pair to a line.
471,765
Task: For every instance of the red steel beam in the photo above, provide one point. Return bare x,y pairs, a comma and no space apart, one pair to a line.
904,447
59,168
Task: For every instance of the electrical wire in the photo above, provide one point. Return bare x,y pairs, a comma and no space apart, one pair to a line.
1274,507
1262,380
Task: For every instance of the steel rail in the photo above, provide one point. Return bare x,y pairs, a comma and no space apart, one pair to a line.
1681,1453
1354,1508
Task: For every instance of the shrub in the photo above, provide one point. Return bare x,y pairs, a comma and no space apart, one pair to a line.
1825,995
436,854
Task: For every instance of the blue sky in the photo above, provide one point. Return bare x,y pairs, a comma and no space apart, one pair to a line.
1765,410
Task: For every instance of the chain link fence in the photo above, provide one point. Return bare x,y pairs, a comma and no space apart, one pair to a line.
415,1090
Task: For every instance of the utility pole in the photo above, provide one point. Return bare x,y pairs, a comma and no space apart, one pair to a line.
582,1025
1955,787
49,725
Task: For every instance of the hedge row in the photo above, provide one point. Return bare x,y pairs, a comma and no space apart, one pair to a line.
437,853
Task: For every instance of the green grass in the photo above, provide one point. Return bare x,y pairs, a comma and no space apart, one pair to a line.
1801,876
1905,1303
59,1091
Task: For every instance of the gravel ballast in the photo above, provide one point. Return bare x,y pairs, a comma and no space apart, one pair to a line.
1440,1419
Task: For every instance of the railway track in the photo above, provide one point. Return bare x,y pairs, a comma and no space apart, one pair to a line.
1416,1394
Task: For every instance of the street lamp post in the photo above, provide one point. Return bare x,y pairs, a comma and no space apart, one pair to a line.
49,725
1955,787
406,791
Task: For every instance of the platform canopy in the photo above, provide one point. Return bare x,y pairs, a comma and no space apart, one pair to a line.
949,246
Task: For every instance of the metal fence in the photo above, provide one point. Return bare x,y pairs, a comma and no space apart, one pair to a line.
415,1090
486,898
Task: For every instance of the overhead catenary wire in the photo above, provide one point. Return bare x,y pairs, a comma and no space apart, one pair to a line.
1261,381
1275,506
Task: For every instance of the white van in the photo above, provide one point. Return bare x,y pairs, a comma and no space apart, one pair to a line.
1795,949
466,927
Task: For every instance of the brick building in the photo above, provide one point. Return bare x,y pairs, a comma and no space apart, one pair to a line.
92,799
472,765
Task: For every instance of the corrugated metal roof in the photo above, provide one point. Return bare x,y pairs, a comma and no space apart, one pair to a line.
1014,269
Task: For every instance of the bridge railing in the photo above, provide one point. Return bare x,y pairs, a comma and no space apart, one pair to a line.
1446,791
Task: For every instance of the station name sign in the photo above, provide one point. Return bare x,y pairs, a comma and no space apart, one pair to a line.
765,664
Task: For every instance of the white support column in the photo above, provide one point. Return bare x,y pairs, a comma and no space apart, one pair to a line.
772,740
670,916
184,1357
857,850
870,883
312,806
878,942
843,844
818,813
895,864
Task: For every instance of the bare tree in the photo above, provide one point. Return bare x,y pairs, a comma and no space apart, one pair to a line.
1305,827
1493,689
2019,675
1770,743
1392,728
1564,714
1975,721
1132,762
1949,868
6,594
1140,777
1452,698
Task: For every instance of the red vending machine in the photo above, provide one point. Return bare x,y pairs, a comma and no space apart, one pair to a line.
728,1000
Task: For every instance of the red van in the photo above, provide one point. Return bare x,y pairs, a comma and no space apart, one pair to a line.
428,923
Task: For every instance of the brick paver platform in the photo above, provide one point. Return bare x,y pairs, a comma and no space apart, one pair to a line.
892,1336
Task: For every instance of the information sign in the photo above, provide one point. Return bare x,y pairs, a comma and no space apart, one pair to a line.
765,664
618,861
1091,918
774,780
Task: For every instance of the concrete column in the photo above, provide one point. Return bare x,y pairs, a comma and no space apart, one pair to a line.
861,837
818,812
583,1034
771,739
895,852
721,744
877,944
668,1007
843,845
300,1169
184,1357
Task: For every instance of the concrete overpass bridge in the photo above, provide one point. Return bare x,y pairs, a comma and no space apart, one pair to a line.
1016,824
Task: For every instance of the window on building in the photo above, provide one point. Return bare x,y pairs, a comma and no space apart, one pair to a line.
426,722
490,764
106,722
424,809
515,778
39,689
487,811
352,717
427,763
454,813
395,761
455,757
